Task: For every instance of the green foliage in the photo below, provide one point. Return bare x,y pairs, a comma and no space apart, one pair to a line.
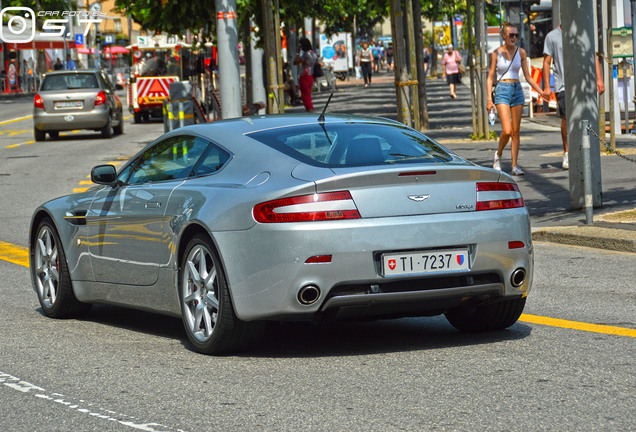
492,137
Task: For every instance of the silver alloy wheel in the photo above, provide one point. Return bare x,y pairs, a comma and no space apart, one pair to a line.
200,293
47,267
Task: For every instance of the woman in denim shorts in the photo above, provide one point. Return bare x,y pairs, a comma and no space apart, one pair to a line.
506,61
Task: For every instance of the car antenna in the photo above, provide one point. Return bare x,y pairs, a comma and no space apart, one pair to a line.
321,119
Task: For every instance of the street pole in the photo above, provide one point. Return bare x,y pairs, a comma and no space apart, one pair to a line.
399,56
279,58
270,54
421,77
610,57
258,85
483,70
415,100
227,48
581,96
471,64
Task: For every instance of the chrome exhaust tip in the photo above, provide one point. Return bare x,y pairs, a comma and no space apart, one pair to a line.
518,277
309,294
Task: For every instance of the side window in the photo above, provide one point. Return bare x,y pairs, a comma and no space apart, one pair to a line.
212,161
172,159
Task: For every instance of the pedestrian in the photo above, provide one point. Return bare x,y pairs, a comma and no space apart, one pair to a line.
509,100
58,65
306,58
389,56
377,57
70,64
450,63
427,59
365,61
553,51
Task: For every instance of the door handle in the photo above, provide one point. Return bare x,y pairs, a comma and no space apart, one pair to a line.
153,205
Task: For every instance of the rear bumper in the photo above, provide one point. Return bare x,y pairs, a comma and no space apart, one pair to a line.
70,120
266,266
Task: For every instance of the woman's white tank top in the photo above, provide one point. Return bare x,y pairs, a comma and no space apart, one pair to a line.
502,65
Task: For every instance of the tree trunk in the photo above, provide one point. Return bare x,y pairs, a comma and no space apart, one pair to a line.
399,57
421,77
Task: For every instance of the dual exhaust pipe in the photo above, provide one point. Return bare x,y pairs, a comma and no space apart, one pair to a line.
309,294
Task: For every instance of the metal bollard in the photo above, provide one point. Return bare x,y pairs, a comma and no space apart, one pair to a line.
587,174
181,115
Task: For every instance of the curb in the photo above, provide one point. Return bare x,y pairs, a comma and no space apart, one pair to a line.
621,240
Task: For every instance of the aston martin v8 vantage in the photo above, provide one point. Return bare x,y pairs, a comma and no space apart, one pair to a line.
289,217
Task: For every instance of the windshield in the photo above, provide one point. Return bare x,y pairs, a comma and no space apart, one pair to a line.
354,144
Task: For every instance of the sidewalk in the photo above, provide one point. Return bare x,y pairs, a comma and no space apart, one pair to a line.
545,186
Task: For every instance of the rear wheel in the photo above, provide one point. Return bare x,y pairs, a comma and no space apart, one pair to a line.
137,117
496,316
51,277
206,307
145,115
107,131
38,134
119,129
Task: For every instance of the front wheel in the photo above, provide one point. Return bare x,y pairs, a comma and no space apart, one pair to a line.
206,307
496,316
51,277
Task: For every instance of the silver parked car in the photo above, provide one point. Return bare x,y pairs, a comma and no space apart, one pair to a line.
76,99
288,217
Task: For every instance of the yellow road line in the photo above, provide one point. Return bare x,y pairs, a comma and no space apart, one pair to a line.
14,254
84,189
18,145
15,120
596,328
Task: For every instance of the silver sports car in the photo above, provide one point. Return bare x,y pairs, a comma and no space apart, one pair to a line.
288,217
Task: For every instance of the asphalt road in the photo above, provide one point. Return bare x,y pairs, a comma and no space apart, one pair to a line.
123,370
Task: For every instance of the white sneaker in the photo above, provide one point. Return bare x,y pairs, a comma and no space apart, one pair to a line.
517,171
497,163
566,161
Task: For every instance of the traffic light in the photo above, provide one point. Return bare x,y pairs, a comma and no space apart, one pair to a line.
98,37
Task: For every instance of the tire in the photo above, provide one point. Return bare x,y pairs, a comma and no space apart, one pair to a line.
38,134
496,316
50,275
206,307
119,129
54,134
107,131
145,116
137,117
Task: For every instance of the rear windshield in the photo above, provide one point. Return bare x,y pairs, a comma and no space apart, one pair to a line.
353,144
70,82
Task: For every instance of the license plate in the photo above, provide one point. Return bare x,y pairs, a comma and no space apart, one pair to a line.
425,262
69,104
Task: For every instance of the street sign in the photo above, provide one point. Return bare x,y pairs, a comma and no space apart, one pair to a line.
622,43
79,39
109,38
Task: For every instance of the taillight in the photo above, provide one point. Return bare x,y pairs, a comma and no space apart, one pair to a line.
307,208
496,196
100,99
37,101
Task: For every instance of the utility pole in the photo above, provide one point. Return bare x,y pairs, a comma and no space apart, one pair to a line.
580,93
227,37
